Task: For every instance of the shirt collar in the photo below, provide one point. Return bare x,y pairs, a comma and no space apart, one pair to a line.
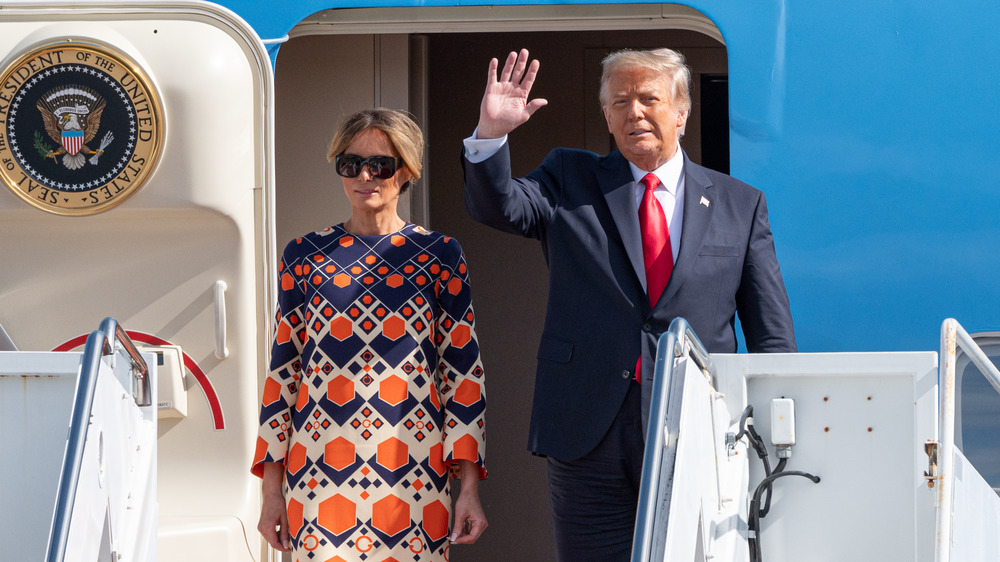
669,173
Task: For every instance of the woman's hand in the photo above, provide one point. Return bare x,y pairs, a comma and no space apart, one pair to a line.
273,524
505,103
470,520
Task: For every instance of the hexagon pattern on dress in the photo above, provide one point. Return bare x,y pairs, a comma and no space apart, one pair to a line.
375,389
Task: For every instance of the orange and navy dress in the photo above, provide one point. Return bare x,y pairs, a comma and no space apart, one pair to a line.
375,390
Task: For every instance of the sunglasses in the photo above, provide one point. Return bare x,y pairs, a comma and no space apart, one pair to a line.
380,167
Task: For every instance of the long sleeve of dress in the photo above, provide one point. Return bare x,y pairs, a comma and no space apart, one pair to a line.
285,372
459,375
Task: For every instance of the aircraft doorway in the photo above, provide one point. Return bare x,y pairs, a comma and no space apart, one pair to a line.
509,273
440,77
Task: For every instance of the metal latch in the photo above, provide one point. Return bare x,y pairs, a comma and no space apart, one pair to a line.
931,448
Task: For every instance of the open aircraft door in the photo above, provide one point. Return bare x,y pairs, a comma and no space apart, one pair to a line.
136,180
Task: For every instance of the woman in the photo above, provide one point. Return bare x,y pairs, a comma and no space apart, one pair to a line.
375,394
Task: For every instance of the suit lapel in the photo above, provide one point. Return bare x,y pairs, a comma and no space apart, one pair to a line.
698,209
619,192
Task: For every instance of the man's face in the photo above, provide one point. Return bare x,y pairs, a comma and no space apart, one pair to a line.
642,117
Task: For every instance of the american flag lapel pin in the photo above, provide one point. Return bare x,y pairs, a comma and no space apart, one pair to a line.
704,201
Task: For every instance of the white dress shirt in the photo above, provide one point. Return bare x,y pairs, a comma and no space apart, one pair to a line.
670,194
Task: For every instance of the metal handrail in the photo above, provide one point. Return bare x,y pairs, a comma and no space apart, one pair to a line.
673,343
142,391
689,340
73,457
99,343
953,336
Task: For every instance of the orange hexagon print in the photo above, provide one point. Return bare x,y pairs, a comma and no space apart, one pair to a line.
375,389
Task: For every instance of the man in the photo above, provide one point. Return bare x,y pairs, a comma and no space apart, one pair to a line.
627,254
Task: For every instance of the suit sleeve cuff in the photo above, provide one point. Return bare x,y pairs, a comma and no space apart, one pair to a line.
478,150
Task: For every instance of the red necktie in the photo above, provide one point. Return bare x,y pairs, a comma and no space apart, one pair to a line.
657,255
656,252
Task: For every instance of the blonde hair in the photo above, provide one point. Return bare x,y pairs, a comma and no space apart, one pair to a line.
664,61
403,133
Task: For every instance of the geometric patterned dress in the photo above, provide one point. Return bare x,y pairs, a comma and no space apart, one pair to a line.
375,389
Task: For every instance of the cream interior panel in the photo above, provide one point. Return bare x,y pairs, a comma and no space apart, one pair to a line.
320,80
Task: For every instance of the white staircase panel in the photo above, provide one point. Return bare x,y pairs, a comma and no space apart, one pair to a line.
36,398
862,420
975,531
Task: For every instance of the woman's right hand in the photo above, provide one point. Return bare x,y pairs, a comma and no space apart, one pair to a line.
273,524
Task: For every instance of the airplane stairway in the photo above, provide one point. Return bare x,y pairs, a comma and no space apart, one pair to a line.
811,456
78,429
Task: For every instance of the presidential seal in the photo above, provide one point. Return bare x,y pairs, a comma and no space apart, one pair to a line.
81,128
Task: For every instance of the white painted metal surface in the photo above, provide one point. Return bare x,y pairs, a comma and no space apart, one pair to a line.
953,464
861,423
115,507
36,396
694,484
975,525
708,492
892,485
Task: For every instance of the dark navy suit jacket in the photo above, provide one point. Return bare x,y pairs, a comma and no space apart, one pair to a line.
582,208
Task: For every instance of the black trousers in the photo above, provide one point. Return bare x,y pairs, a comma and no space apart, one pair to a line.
594,498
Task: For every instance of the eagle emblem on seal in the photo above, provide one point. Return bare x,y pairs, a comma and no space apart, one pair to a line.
72,117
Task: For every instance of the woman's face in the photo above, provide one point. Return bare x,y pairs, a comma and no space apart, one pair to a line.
369,195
